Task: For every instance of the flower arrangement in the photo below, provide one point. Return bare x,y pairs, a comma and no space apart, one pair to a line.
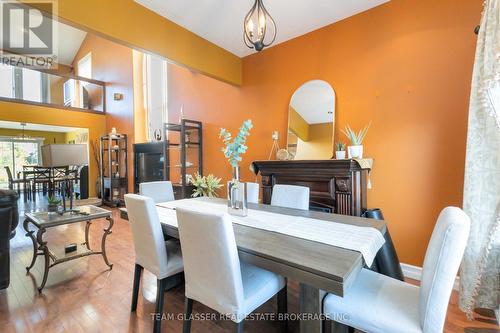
206,186
356,138
234,148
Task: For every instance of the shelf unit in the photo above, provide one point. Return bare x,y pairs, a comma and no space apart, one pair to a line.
184,154
114,169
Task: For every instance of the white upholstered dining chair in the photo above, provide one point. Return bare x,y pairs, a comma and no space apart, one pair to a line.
379,304
152,252
214,275
290,196
161,191
253,192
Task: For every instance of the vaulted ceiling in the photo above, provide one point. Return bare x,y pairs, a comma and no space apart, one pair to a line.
221,21
67,43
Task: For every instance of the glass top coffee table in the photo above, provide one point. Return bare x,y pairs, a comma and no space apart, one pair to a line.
45,220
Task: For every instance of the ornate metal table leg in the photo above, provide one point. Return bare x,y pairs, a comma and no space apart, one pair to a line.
43,247
103,243
87,227
29,233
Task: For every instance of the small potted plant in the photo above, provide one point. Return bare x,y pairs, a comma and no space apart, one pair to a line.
206,186
53,204
340,150
355,150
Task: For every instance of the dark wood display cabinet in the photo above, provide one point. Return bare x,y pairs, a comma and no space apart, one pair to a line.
183,154
114,169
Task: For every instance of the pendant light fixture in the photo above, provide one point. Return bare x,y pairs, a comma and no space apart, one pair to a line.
259,27
22,136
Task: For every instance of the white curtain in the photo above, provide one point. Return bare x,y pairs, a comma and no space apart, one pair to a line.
480,272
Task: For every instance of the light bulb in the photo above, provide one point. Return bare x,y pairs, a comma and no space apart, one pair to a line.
262,24
250,26
262,21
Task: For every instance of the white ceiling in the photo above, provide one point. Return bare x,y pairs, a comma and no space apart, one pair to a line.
313,100
68,42
221,21
36,127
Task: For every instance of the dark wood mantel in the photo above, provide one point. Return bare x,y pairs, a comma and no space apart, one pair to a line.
338,186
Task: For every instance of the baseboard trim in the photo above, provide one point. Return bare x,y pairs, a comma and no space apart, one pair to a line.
415,273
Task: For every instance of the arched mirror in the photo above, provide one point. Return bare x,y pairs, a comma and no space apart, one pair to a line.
311,116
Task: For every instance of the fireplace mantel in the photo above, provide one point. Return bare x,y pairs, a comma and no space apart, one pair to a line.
337,186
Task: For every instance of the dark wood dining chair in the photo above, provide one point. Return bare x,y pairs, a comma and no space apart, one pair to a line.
14,182
58,178
41,178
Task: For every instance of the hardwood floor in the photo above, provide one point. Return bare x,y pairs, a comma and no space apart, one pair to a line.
84,296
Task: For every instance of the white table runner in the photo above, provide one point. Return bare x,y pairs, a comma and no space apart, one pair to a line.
366,240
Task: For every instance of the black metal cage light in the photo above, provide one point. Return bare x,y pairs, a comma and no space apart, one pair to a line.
259,27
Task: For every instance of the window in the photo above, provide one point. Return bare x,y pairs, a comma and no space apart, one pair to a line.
6,81
23,83
38,86
155,93
84,69
85,66
15,153
31,85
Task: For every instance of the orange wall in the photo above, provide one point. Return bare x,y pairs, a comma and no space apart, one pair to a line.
207,100
406,66
217,105
112,64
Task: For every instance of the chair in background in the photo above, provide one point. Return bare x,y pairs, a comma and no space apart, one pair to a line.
253,192
41,177
161,191
152,252
290,196
58,180
400,306
13,182
213,272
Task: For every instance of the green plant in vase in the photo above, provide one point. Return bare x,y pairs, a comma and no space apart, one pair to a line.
355,150
234,148
205,186
340,150
53,204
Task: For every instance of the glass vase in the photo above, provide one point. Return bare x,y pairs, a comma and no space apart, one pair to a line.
236,195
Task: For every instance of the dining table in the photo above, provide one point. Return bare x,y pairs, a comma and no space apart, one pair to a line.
318,266
46,176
